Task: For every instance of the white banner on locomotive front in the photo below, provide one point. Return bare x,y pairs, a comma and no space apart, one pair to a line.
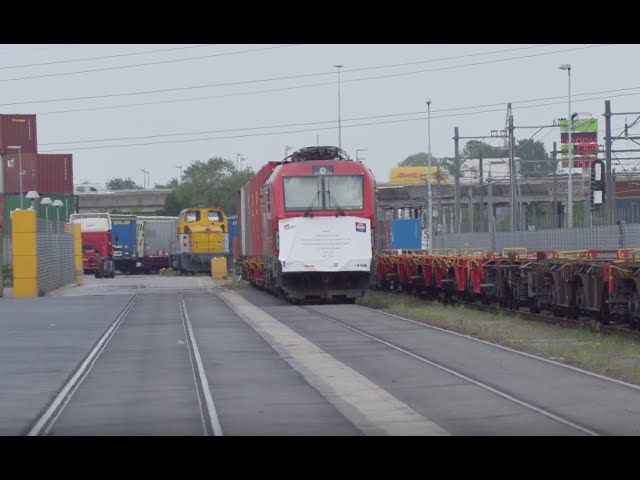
325,244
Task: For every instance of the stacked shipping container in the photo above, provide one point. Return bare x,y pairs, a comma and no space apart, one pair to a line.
49,175
55,173
20,131
11,202
46,174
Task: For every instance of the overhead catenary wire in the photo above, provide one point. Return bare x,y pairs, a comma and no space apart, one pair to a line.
245,82
421,115
138,65
104,57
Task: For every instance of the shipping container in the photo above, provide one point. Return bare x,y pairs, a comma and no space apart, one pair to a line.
159,234
244,220
250,220
232,221
55,173
18,130
11,168
383,235
123,237
12,202
406,234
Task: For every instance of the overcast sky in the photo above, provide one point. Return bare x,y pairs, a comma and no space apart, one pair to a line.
469,86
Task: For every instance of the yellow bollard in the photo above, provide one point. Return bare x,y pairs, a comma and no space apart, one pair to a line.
25,257
218,267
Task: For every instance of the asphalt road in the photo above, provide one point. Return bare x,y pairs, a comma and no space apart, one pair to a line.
246,363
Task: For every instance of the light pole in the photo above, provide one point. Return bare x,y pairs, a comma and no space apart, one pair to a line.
339,113
33,196
567,67
46,201
180,168
57,204
358,151
239,159
20,172
144,177
429,199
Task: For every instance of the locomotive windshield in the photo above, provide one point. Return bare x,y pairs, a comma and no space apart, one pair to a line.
329,192
214,216
193,216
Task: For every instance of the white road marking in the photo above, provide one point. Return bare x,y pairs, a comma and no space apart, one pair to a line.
369,407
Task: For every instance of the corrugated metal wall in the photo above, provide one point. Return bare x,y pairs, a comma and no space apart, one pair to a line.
55,255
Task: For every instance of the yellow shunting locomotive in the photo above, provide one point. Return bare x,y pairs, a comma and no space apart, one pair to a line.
203,233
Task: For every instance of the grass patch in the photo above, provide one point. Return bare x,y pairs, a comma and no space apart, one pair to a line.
610,355
234,282
168,272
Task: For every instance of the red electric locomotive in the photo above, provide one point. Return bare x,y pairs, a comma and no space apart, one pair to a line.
306,226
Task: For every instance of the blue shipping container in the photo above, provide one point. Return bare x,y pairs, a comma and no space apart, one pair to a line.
123,237
406,234
233,231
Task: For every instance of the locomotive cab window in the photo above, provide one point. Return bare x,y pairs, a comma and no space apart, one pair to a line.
214,216
330,192
302,193
193,216
344,192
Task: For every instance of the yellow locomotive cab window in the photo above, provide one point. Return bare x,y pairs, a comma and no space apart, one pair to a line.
193,216
214,216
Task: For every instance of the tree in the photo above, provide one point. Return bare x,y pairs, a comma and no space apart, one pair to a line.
418,160
172,185
535,159
118,183
449,166
473,149
213,183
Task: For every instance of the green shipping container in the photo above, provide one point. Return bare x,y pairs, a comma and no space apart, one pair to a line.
12,202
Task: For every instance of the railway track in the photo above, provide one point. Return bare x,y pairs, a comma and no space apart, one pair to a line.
45,422
452,371
620,329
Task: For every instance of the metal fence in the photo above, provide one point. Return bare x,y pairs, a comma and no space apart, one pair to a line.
600,237
7,260
55,255
539,216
